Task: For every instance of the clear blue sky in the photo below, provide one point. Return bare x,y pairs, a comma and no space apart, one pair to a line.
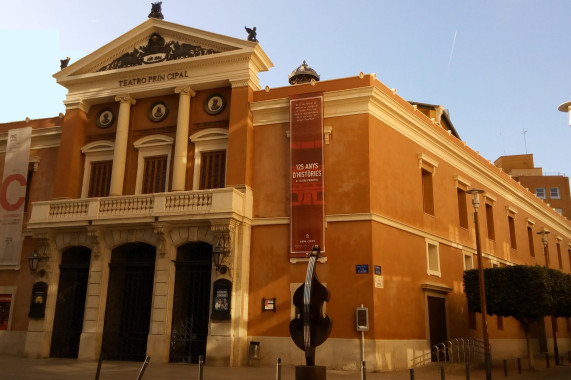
499,66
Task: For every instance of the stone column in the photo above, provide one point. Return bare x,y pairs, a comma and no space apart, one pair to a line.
181,145
121,137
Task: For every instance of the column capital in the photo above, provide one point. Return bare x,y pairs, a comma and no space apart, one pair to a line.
125,98
186,90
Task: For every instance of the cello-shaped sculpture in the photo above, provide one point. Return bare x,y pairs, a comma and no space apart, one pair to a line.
311,327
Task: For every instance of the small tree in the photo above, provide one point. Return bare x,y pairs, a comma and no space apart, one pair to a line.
523,292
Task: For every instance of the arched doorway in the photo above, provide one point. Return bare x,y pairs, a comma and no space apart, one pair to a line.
129,300
191,302
70,303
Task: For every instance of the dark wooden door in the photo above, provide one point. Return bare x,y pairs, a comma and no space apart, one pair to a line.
437,321
129,299
70,303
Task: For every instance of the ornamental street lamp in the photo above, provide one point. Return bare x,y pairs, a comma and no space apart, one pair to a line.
487,352
566,107
544,240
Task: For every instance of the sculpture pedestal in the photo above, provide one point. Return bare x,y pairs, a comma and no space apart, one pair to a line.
306,372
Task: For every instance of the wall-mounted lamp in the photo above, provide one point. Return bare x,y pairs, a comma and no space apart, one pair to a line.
544,234
33,261
218,257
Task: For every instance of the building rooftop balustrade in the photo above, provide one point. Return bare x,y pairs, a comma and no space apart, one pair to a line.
227,202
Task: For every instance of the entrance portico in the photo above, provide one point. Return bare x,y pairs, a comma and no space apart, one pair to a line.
220,218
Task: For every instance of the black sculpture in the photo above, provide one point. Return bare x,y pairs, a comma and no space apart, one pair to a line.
63,63
311,327
156,11
251,34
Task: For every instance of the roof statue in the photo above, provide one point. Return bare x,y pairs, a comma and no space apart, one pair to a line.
251,34
63,63
303,74
156,11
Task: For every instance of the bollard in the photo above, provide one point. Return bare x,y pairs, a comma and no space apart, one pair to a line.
442,375
411,373
200,365
547,359
505,368
363,370
144,367
467,371
279,369
519,366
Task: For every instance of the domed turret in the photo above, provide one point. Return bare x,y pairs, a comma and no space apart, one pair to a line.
303,74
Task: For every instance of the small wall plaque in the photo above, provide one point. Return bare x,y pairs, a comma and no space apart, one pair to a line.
362,268
269,304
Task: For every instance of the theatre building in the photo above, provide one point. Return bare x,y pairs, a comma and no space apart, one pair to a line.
171,208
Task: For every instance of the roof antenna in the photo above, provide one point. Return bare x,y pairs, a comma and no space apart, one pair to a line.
523,132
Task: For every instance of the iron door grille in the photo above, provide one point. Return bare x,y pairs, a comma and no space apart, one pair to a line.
190,311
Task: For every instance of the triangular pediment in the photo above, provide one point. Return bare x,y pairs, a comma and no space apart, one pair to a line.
158,46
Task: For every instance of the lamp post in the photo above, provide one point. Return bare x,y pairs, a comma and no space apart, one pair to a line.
544,240
566,107
487,352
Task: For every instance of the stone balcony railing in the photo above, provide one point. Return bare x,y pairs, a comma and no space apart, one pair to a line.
176,206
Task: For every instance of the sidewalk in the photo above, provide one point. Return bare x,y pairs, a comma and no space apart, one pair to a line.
18,368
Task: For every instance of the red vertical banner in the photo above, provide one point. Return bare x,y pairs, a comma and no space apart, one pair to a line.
307,198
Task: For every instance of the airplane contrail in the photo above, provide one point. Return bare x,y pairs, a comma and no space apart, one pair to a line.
452,50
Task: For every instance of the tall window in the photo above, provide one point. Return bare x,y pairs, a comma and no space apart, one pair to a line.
210,147
530,241
153,164
559,256
490,221
462,208
97,168
155,175
554,193
432,258
427,192
213,169
468,261
100,179
511,224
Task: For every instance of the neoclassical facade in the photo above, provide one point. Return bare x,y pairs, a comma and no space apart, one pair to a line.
160,206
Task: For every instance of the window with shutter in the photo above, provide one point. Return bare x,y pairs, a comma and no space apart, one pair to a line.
212,169
100,179
154,175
